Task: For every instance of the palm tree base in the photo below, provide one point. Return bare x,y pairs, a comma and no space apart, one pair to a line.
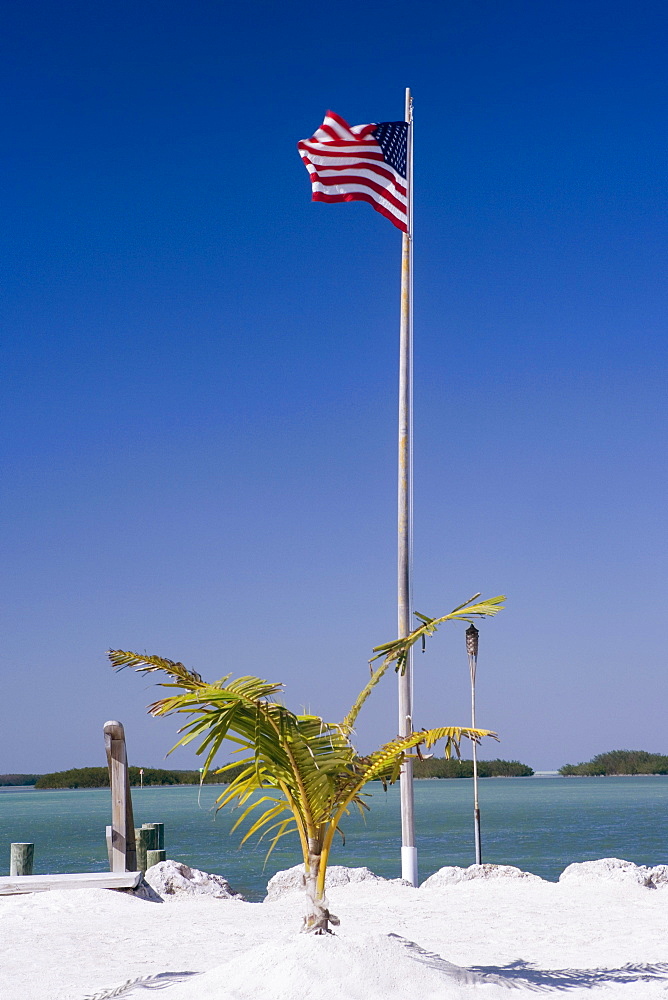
319,918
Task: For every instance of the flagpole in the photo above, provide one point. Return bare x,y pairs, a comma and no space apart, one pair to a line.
405,511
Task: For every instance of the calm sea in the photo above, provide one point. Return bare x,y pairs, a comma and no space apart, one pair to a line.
538,824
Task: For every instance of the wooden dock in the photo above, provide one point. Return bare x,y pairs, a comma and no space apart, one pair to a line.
10,886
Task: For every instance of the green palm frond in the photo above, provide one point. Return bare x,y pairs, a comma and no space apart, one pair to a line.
382,762
147,664
376,676
385,765
397,651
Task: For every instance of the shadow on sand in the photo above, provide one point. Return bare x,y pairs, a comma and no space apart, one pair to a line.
527,976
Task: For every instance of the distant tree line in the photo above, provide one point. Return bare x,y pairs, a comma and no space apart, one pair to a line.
439,767
98,777
613,762
619,762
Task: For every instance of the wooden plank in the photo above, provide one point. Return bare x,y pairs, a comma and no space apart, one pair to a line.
80,880
123,852
114,741
108,830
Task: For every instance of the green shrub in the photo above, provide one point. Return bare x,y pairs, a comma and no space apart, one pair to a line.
98,777
619,762
439,767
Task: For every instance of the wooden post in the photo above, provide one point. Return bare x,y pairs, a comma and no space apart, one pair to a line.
123,851
21,859
160,831
146,840
154,858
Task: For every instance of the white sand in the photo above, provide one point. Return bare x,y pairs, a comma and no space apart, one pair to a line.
483,938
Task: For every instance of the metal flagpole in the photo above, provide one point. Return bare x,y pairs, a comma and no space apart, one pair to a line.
472,650
405,511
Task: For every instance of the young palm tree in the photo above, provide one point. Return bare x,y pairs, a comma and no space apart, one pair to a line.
306,770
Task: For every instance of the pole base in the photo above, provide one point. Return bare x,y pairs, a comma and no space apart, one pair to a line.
409,865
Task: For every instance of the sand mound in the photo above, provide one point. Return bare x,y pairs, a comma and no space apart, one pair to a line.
292,879
450,875
173,880
615,870
370,967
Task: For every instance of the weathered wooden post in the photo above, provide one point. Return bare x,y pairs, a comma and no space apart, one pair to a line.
146,839
160,832
154,858
110,855
21,859
122,853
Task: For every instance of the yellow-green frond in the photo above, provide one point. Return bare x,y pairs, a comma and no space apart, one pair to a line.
144,663
396,651
386,762
376,676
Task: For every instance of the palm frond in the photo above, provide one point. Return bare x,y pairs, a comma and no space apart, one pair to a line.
397,650
376,676
385,763
143,663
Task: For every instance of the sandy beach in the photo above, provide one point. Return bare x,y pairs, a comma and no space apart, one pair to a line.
601,931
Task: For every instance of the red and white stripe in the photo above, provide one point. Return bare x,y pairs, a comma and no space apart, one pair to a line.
346,164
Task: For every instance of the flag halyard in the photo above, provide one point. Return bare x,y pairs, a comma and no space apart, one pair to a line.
360,163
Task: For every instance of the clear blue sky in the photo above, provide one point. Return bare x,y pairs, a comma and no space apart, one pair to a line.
199,364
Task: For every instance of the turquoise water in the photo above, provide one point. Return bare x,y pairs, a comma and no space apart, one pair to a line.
539,824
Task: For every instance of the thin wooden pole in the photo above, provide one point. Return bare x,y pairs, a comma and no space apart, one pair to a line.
123,851
409,870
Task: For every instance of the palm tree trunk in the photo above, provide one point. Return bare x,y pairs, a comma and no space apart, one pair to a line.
318,917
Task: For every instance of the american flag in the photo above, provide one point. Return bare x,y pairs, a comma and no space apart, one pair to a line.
360,163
